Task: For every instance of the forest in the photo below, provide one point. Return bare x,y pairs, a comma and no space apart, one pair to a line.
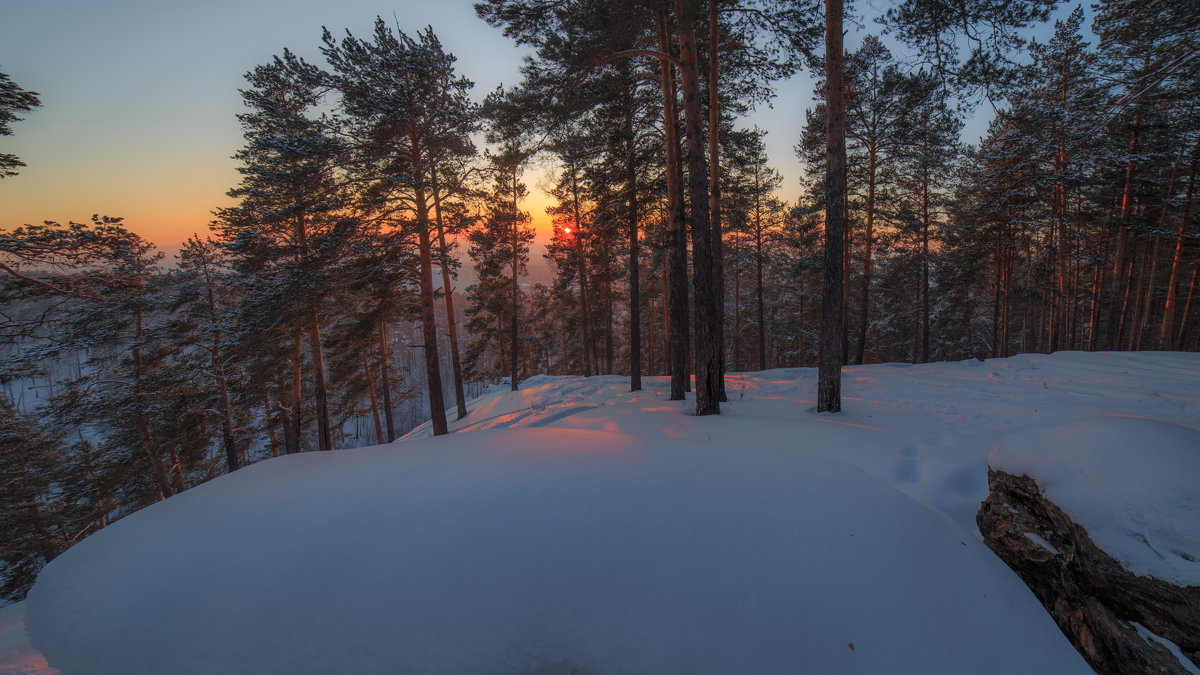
373,271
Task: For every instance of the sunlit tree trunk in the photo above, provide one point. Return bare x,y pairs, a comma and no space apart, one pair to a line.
1116,314
1167,337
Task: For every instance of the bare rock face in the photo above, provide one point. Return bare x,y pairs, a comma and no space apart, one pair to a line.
1091,596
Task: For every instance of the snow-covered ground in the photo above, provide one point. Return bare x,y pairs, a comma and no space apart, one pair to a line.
580,528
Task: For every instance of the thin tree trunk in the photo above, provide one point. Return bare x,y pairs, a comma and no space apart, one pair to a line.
1116,311
635,292
316,352
374,400
385,380
1167,332
227,429
737,310
514,334
460,397
589,353
317,355
925,265
829,377
868,245
141,421
758,292
272,437
1187,307
297,389
677,297
433,368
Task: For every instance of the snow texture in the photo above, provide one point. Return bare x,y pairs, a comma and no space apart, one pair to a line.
1185,663
575,527
1130,482
17,655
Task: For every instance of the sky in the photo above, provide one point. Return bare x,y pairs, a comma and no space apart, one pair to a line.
140,97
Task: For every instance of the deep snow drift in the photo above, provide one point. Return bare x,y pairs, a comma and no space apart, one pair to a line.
576,527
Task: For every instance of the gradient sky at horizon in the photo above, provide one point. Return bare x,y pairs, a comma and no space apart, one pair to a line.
140,97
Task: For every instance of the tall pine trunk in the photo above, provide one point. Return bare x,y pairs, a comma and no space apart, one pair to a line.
706,307
514,334
316,353
385,380
585,308
829,376
433,368
1116,308
714,179
635,292
1167,338
868,245
677,297
460,397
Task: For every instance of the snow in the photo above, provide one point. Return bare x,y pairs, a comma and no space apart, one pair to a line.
1130,482
574,526
17,655
1185,664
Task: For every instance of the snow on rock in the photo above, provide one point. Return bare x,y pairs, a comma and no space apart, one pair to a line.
538,551
1130,482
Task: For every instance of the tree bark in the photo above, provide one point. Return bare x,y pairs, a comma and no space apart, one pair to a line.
385,381
514,334
374,400
433,369
1115,314
297,425
677,296
868,245
585,308
635,292
460,397
316,352
829,378
1167,331
706,308
714,179
925,265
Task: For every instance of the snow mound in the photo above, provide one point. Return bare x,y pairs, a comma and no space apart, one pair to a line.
541,550
1130,482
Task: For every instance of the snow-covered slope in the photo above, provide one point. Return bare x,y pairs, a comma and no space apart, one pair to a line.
575,527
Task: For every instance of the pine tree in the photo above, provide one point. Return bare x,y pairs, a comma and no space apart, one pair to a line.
500,249
13,99
411,116
285,227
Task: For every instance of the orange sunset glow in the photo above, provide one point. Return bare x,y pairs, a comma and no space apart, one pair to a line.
145,128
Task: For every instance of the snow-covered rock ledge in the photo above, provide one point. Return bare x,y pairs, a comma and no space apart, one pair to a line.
1101,518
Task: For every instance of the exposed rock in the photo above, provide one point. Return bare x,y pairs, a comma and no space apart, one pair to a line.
1091,596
